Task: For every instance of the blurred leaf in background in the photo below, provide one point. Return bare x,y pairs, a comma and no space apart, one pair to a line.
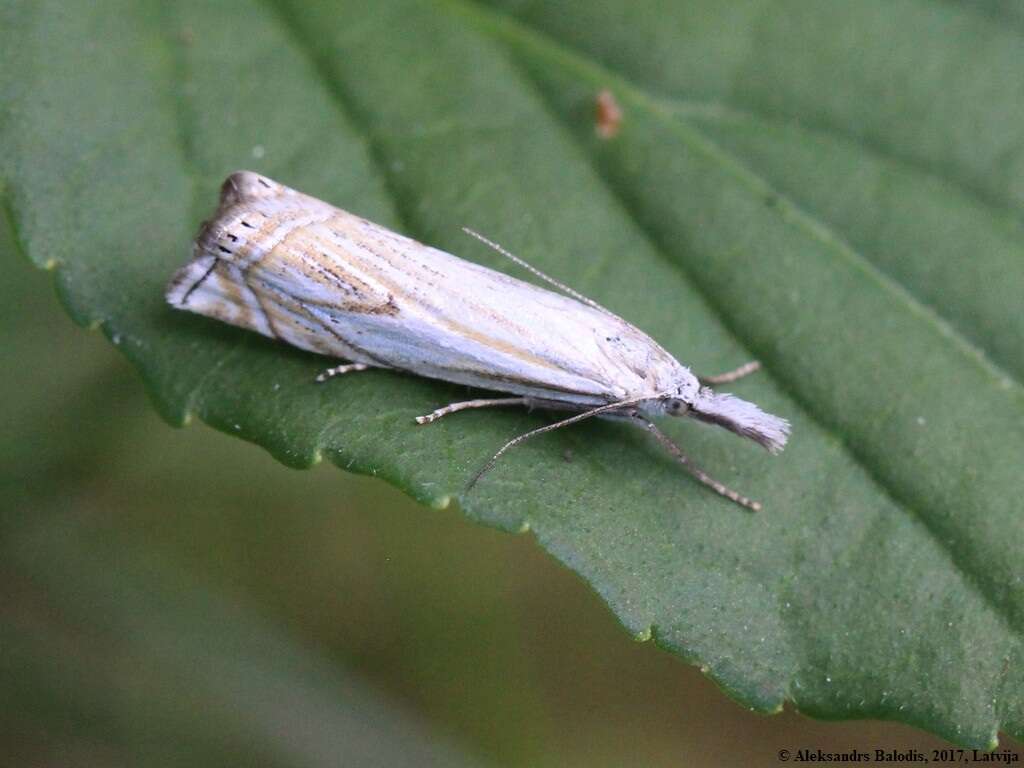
833,188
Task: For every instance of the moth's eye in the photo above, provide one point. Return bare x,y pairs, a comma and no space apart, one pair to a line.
677,407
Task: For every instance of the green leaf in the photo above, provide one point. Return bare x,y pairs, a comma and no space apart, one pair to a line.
833,188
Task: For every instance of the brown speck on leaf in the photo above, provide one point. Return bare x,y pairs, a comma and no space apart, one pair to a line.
607,115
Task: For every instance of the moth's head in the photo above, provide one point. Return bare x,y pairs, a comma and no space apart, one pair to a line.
680,399
676,406
725,410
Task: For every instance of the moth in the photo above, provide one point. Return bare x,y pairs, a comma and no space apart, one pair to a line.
292,267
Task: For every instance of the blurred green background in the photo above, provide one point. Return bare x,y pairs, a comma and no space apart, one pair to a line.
177,597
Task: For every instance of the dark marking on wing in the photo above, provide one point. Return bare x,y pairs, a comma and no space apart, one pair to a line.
199,282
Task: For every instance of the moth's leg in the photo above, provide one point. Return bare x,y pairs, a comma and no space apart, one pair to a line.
339,370
738,373
622,406
533,433
698,473
466,405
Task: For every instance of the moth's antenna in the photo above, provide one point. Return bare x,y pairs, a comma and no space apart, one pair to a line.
546,278
697,472
558,425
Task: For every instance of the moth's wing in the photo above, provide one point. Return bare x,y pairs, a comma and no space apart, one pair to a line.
455,320
293,267
310,300
246,237
211,286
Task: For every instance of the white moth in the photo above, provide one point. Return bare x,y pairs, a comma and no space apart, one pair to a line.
295,268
